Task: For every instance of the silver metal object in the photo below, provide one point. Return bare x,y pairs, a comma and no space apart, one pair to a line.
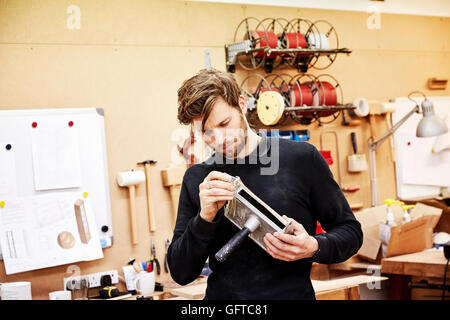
247,210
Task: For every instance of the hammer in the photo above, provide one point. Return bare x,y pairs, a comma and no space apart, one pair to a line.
130,179
151,217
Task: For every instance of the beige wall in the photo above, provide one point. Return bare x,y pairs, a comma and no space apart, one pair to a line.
129,57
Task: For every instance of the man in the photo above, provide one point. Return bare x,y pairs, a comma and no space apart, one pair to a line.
301,188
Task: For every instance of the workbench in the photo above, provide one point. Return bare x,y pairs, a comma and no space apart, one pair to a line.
428,263
345,288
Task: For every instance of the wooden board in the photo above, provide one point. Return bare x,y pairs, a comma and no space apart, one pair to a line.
342,283
333,288
425,263
191,292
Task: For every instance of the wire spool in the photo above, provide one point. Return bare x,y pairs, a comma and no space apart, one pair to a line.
244,32
302,95
274,29
296,35
281,82
270,107
324,37
251,87
267,39
318,41
329,93
295,40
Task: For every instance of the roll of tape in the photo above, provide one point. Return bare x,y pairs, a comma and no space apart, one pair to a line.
362,107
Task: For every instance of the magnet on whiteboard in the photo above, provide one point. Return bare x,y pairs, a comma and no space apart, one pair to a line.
85,194
34,124
2,204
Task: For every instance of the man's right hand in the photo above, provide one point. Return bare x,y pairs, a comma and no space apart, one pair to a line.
215,190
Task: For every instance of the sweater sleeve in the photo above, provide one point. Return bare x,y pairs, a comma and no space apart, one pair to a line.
343,236
191,242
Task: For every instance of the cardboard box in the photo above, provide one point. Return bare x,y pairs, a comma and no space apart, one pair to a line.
403,238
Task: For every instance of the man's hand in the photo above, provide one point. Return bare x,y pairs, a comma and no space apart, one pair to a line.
288,247
215,190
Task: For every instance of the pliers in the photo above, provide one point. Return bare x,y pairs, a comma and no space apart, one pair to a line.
154,259
166,265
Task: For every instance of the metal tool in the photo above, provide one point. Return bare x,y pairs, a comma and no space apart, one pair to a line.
356,162
151,216
166,265
254,217
154,259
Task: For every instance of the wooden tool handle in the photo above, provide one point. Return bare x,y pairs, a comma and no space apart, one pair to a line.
353,137
133,223
151,216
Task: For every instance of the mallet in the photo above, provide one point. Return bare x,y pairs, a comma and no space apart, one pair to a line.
130,179
151,216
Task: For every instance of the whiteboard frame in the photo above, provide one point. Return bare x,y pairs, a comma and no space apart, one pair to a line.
107,238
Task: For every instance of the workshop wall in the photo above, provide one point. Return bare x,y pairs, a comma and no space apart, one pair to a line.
130,57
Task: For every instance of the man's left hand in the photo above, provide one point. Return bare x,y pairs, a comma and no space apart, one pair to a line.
289,247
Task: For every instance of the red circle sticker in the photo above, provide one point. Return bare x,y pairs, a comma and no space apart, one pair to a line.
70,123
34,124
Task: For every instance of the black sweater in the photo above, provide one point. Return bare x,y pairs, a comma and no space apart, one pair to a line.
303,189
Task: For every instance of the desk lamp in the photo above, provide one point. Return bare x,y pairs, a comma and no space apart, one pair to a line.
429,126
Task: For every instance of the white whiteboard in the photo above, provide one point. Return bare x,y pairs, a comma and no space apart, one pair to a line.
420,173
20,133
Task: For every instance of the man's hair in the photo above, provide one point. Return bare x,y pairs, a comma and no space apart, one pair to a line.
199,93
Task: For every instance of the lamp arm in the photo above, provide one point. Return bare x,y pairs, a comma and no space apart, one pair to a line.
374,145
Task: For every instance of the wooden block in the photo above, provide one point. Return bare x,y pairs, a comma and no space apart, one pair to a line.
370,249
339,294
319,272
172,176
335,284
191,292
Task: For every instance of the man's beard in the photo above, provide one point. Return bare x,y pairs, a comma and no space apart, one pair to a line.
242,137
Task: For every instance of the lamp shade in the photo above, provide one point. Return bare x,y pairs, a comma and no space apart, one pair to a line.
430,125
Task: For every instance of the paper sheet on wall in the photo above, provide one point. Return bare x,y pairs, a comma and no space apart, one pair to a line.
40,232
421,164
56,158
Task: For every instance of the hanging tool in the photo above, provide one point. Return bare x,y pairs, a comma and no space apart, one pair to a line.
154,259
172,178
356,162
166,265
328,153
151,217
131,179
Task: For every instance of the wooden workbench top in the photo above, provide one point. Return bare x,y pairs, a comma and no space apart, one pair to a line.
424,263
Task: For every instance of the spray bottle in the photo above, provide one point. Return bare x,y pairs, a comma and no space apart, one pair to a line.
406,217
390,216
